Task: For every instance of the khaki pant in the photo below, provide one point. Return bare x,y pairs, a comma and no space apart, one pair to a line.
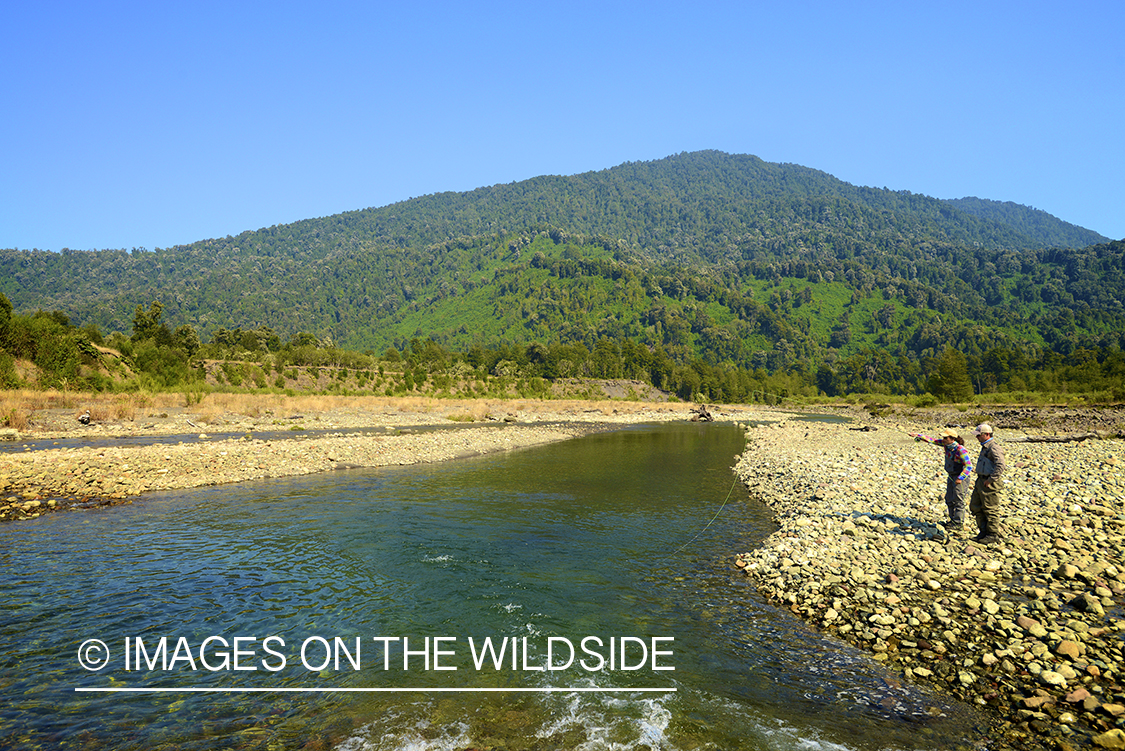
985,505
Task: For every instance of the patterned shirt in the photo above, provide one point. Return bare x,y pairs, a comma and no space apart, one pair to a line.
956,455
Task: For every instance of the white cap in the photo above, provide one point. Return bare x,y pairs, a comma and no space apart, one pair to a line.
984,427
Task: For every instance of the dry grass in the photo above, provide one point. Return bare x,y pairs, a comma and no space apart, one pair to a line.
126,406
256,405
165,400
470,411
8,401
207,416
20,406
32,400
250,405
16,417
103,407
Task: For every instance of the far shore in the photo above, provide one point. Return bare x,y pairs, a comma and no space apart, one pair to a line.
303,435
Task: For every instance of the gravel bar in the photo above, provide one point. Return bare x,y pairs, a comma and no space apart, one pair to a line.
53,479
1031,628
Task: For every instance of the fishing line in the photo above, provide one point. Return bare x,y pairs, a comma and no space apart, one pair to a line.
713,518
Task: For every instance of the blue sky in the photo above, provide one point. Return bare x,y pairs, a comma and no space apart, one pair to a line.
130,124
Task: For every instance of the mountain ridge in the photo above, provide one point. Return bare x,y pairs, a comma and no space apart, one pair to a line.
701,253
1046,225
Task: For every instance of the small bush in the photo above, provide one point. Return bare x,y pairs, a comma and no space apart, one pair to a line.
926,400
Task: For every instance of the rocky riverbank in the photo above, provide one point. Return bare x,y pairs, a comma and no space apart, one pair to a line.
1031,627
55,479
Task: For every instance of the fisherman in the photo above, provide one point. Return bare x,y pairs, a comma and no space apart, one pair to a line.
985,501
958,468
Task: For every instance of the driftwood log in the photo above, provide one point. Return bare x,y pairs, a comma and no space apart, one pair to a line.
1072,437
701,414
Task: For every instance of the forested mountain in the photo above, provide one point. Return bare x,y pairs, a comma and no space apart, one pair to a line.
1032,222
704,255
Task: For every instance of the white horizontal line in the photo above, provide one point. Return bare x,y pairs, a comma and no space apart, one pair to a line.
551,689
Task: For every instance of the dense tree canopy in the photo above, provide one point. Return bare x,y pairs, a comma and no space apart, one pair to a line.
714,261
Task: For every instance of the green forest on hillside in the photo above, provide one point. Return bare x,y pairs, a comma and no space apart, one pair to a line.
155,358
689,271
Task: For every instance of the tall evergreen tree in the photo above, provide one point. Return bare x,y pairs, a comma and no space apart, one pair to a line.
951,379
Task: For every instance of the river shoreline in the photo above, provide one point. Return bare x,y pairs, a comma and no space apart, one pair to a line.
1030,628
79,477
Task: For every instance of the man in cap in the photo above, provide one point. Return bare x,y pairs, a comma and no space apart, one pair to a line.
958,467
985,501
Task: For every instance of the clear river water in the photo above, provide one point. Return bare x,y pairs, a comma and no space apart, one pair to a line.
367,609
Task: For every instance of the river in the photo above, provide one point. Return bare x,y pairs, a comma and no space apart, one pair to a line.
366,610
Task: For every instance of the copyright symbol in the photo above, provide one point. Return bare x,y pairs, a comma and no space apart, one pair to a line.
93,654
